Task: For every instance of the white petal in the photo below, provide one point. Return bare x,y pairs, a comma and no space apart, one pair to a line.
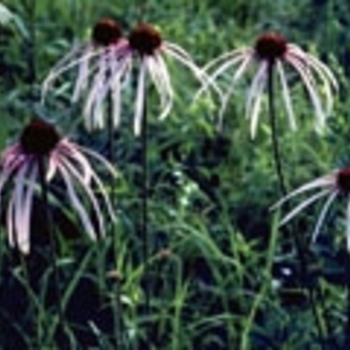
286,96
239,72
140,100
322,215
303,205
312,90
87,189
23,197
327,181
76,202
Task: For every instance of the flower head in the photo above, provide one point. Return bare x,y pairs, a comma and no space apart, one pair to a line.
336,184
106,32
271,47
145,49
145,39
40,142
96,62
271,50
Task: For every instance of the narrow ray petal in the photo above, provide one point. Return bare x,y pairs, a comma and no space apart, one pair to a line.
322,215
303,205
286,96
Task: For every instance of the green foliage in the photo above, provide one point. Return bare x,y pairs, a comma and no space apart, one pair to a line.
220,273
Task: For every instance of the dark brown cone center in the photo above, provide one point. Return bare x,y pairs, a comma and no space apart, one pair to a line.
271,46
145,39
39,138
106,32
343,180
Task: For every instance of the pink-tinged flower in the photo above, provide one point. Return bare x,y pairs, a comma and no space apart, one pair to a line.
97,63
40,142
336,184
272,51
145,50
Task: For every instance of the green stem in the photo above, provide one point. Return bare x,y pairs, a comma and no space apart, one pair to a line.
298,242
117,305
144,206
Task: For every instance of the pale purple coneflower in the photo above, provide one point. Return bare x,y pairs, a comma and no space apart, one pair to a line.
20,166
106,64
336,184
97,64
272,51
147,51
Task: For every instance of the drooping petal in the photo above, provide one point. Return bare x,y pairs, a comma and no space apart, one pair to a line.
140,100
63,67
227,57
286,96
23,230
303,205
312,90
84,71
317,68
88,191
70,151
160,76
99,158
25,184
255,96
93,108
239,72
322,215
76,202
327,181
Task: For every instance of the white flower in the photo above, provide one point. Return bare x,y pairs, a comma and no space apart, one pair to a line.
20,163
106,65
336,184
272,51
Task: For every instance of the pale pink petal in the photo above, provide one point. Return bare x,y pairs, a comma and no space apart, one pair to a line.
161,79
76,202
25,183
56,72
87,189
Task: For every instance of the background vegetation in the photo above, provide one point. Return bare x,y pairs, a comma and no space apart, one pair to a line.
220,273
